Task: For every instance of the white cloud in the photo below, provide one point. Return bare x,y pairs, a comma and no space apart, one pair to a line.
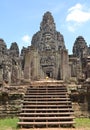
26,39
76,7
78,14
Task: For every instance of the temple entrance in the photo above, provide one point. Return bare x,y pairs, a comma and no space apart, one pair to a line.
49,74
48,71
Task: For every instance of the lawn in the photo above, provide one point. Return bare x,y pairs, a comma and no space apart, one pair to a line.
82,123
11,123
8,124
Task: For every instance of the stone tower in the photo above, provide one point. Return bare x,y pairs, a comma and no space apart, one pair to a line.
47,55
80,48
14,50
80,58
3,51
2,47
48,38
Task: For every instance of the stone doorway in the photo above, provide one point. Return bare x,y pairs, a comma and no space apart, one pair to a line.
49,74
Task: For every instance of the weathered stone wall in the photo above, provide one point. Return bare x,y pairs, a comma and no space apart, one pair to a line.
80,99
11,98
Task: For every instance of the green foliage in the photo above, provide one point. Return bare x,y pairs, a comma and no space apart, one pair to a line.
8,124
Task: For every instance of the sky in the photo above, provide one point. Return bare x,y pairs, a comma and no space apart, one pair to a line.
20,20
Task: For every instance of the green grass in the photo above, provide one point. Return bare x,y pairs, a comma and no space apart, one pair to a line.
82,123
11,123
8,124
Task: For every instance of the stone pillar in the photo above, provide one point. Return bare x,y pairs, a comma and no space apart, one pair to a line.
1,75
9,77
65,72
27,67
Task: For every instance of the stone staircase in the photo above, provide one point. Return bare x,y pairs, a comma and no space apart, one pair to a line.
46,104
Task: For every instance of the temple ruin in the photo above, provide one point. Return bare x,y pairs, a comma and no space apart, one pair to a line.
46,58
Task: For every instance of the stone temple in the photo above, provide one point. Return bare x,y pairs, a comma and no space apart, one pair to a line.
47,56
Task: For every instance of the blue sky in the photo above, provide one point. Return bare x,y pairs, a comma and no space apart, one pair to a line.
20,20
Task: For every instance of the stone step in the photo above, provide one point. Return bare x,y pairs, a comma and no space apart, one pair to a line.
46,85
54,93
52,109
47,123
43,114
59,91
46,99
46,88
49,102
46,96
47,106
47,118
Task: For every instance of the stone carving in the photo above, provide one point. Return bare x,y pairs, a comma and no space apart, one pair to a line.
47,60
9,59
80,53
47,24
3,47
48,38
80,48
14,50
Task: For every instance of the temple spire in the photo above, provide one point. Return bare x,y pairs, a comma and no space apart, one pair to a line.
47,24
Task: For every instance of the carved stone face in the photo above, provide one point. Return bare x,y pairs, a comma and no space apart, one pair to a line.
47,60
48,42
47,38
